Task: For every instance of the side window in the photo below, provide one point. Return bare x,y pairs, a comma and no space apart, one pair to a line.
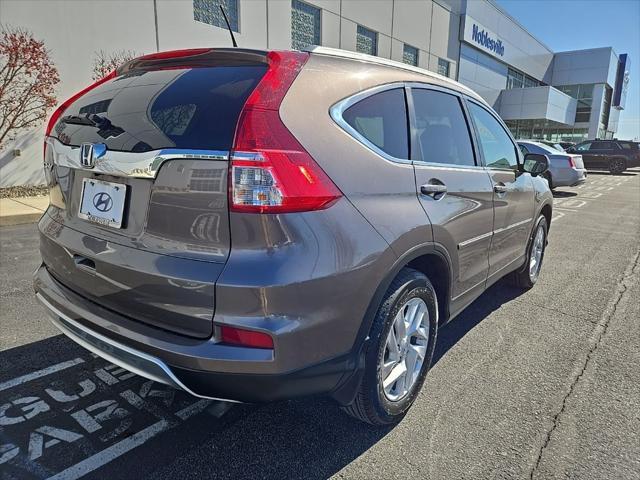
497,148
382,120
523,149
602,146
583,147
442,131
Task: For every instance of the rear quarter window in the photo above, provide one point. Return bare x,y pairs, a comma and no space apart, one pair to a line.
382,120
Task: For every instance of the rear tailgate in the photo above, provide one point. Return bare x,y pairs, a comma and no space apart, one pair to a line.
167,125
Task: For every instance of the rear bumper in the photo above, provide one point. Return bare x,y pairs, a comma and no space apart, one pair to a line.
568,177
174,361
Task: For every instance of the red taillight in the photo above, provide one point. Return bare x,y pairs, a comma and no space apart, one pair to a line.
572,163
245,338
270,171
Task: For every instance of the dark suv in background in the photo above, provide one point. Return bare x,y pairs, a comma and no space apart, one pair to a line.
613,155
252,226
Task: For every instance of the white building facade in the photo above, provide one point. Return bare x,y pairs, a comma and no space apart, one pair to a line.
539,93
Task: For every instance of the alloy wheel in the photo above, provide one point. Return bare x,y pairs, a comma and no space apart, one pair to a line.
405,349
535,258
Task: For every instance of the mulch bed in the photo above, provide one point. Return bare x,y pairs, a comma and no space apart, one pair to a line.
27,191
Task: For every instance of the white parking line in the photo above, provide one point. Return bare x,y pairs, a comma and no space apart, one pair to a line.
40,373
114,451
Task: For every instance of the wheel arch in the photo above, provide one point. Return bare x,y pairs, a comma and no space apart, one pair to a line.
434,261
547,211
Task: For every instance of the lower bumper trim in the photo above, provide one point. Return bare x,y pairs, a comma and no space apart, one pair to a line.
126,357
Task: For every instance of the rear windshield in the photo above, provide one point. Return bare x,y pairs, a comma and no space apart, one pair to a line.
185,108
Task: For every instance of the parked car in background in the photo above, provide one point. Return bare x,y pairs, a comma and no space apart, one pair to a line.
612,155
226,221
554,145
566,145
565,169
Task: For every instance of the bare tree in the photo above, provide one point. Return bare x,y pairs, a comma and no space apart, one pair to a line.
104,63
28,79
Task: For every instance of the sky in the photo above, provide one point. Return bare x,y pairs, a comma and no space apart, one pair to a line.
578,24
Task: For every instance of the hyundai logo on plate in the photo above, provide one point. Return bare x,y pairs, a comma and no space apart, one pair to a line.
102,201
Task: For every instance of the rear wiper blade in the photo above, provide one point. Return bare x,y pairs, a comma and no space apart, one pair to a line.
78,120
105,128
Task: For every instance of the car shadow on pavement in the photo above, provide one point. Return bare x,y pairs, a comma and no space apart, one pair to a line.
308,438
561,194
496,296
609,174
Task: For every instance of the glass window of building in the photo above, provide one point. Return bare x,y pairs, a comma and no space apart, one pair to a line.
444,66
381,119
366,41
441,128
305,25
585,97
497,148
208,11
606,107
530,82
410,55
515,79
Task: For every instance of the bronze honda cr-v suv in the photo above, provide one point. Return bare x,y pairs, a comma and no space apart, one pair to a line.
251,226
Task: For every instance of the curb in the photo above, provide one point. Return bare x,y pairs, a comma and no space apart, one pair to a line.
22,210
19,219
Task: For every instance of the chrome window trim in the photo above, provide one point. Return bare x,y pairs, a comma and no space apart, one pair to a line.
448,166
128,164
337,110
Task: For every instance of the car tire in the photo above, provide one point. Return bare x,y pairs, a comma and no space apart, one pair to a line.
617,165
527,276
378,402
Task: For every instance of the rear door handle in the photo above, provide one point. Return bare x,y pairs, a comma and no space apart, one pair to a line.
436,190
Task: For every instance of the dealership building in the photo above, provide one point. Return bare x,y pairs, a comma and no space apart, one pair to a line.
539,93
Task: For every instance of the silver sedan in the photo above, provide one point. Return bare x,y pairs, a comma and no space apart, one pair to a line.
565,169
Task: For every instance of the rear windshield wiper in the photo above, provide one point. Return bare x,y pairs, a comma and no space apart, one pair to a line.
79,120
105,128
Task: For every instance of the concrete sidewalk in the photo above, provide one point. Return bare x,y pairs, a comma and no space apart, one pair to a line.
15,211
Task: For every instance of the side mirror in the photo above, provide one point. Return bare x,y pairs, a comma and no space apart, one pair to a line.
536,164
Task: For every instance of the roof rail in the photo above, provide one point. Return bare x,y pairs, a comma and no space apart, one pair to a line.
335,52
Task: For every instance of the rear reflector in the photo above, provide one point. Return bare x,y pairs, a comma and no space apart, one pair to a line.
271,172
245,338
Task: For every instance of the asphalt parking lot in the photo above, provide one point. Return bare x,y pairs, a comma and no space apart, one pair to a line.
543,384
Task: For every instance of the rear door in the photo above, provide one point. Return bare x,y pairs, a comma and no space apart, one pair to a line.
454,189
601,152
589,157
160,135
513,193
